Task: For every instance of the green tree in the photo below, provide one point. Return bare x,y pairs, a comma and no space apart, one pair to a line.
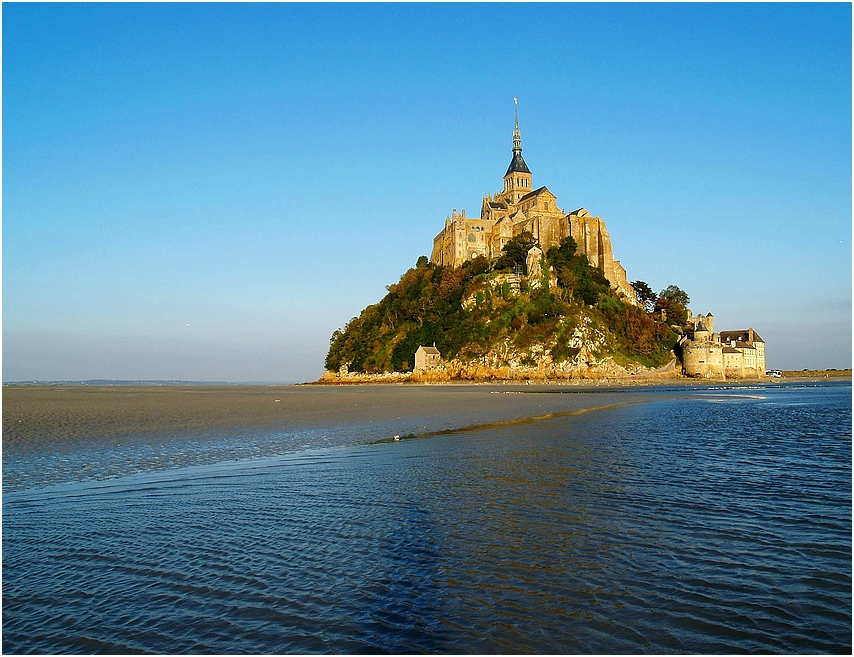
479,265
673,302
426,306
675,295
516,251
645,295
574,273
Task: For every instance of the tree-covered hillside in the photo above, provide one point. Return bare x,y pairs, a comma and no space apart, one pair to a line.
468,310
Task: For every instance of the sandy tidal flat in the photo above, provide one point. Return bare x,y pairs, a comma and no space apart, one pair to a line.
55,417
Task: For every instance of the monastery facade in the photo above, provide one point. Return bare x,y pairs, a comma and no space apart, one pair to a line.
519,207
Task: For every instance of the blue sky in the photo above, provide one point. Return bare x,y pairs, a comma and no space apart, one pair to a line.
207,191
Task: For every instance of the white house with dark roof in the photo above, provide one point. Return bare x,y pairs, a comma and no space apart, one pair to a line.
427,358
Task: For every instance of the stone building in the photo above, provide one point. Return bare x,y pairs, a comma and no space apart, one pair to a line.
426,358
725,355
519,207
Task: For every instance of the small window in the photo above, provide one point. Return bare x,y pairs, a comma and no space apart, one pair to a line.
547,205
472,238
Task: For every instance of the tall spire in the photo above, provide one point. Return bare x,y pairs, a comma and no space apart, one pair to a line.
517,164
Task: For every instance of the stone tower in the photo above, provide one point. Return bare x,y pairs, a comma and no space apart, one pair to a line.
518,179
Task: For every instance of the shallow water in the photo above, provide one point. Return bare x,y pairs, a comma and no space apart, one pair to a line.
715,522
62,435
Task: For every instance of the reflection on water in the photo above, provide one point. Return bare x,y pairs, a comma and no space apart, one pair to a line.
679,525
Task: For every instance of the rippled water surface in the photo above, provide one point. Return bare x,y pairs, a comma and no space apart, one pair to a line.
715,522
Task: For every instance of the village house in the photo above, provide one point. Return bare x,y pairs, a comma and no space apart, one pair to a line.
427,358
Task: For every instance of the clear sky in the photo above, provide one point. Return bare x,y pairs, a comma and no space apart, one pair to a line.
207,191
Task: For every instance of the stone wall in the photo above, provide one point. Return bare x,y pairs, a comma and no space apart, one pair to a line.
704,355
594,241
702,359
733,363
463,238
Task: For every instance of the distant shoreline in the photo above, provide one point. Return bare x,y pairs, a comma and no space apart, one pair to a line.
621,381
641,381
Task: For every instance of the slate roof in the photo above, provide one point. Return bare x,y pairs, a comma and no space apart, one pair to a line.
430,350
740,336
536,192
517,164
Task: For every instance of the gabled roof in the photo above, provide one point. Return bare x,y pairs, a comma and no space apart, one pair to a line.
740,336
536,192
430,350
517,164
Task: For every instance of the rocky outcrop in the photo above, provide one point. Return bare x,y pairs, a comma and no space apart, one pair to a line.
582,359
577,370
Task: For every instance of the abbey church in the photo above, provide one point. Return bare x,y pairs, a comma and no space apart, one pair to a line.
519,207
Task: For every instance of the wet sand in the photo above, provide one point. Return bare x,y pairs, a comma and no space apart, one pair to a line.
62,417
50,417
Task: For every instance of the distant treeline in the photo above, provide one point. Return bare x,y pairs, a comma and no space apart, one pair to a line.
828,373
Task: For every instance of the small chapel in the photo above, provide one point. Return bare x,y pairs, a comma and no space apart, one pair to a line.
519,207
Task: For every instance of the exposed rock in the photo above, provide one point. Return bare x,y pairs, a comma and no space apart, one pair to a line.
534,264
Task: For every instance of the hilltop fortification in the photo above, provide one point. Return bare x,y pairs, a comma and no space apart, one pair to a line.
527,291
517,208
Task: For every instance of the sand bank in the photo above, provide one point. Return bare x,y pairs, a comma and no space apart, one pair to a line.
46,417
59,417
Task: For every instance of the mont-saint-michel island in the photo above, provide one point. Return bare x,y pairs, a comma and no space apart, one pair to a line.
529,291
551,426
